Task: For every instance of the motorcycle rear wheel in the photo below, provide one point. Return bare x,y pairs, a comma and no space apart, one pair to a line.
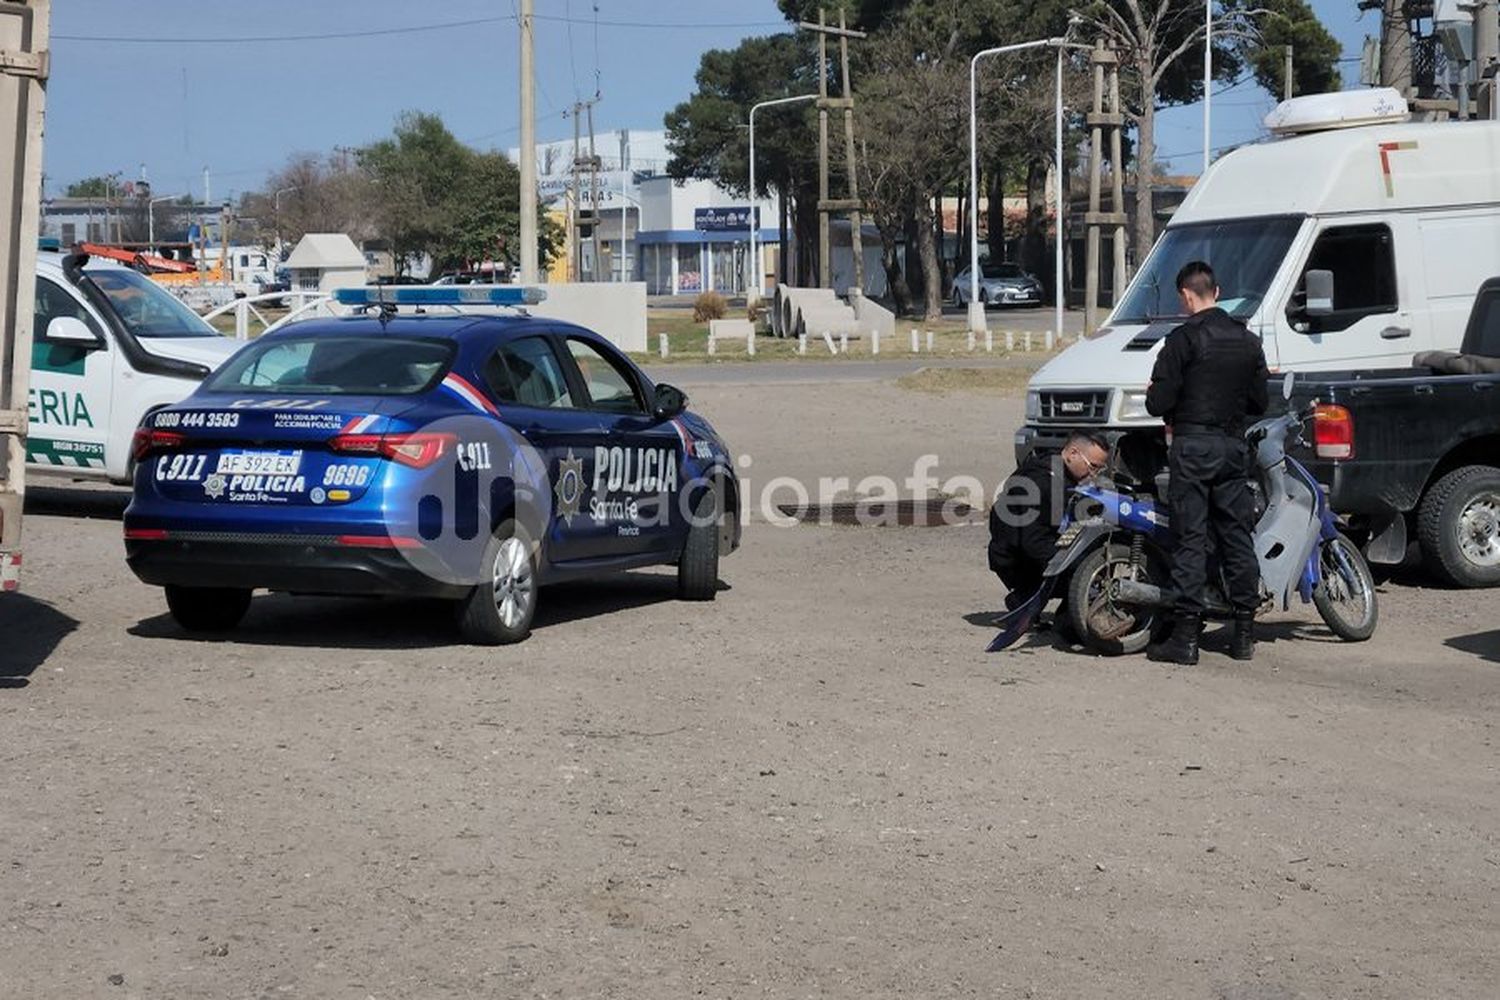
1346,597
1102,625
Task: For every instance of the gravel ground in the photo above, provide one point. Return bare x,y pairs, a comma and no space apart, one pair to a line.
817,786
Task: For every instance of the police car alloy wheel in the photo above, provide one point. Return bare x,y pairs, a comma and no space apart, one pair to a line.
503,603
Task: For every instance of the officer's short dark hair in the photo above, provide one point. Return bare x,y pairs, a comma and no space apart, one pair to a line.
1084,438
1197,277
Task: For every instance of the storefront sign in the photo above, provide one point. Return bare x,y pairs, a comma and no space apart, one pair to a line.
723,220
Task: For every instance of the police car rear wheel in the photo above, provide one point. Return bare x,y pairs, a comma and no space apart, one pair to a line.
501,607
207,609
698,570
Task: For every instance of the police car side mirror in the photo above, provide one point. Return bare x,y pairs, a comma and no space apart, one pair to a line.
73,332
668,401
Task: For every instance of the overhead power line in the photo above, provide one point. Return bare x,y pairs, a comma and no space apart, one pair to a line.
406,30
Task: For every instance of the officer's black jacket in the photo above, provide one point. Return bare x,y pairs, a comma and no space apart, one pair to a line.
1211,371
1023,521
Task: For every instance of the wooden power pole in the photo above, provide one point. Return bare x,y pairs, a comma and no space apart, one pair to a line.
845,103
1106,65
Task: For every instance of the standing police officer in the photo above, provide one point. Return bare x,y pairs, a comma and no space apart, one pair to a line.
1208,383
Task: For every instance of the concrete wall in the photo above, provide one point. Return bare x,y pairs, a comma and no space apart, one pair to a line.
614,310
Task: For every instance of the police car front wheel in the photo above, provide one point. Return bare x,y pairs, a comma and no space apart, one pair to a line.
500,608
698,570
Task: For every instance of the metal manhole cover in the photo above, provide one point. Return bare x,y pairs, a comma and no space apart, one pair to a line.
932,513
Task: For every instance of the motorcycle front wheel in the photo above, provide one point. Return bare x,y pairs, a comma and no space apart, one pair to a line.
1103,625
1346,597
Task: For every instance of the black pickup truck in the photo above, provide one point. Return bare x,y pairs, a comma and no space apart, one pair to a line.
1415,453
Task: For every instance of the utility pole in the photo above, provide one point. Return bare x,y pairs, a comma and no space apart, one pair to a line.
1486,53
845,102
528,148
1106,67
1395,47
594,190
1286,72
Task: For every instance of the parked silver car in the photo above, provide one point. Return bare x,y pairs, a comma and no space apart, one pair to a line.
999,284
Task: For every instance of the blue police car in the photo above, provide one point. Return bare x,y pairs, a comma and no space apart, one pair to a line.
441,454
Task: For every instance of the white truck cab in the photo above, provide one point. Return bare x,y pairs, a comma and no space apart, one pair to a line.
109,346
1404,216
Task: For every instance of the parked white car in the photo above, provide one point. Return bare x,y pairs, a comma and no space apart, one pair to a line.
110,346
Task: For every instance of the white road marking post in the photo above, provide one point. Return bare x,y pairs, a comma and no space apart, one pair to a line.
828,340
874,341
750,342
1010,341
661,339
1027,340
929,341
1049,341
843,343
801,343
989,342
914,347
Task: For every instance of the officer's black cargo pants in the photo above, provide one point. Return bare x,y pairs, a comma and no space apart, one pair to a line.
1212,510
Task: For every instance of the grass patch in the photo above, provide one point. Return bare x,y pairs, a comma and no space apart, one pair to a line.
986,381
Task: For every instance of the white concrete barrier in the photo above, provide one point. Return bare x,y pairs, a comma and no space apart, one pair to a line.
614,310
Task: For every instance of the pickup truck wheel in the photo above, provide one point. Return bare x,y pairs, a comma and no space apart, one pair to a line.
1458,526
207,609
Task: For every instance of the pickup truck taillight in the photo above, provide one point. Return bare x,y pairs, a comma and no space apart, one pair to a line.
147,440
417,450
1333,432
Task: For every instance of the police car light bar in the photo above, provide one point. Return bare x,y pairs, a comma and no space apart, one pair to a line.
441,295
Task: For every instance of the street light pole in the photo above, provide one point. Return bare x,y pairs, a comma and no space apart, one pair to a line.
525,19
752,286
976,308
1208,76
276,210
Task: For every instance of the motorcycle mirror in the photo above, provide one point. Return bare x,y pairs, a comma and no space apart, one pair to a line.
1286,385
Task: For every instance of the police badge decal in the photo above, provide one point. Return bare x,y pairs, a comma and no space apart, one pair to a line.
569,487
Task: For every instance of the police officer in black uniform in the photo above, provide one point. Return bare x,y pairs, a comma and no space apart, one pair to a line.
1208,384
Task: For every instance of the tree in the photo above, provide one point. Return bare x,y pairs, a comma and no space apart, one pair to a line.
91,187
313,193
1161,63
434,195
706,140
1315,52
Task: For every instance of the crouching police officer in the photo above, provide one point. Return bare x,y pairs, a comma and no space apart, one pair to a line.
1209,381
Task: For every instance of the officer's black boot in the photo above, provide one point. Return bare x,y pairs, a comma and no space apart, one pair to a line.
1181,646
1242,644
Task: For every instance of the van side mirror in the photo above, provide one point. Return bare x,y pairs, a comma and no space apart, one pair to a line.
668,401
1319,293
73,332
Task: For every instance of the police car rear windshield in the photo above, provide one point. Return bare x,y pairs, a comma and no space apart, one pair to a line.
348,366
147,309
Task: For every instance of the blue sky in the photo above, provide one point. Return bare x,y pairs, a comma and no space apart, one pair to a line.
187,100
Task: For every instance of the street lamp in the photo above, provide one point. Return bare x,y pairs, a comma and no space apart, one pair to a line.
752,286
976,308
1208,74
276,210
151,217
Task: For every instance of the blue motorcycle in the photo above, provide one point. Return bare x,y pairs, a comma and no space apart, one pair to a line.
1112,558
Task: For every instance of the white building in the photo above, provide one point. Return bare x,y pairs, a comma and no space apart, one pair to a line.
323,262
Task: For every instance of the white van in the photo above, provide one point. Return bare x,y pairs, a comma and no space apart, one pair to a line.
1405,216
109,347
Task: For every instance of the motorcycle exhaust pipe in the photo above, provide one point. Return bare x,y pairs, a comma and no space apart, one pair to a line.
1136,594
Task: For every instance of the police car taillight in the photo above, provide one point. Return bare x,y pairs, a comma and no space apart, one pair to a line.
417,450
148,439
1333,432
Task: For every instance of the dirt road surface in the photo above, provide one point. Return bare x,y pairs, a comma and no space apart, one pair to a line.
817,786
